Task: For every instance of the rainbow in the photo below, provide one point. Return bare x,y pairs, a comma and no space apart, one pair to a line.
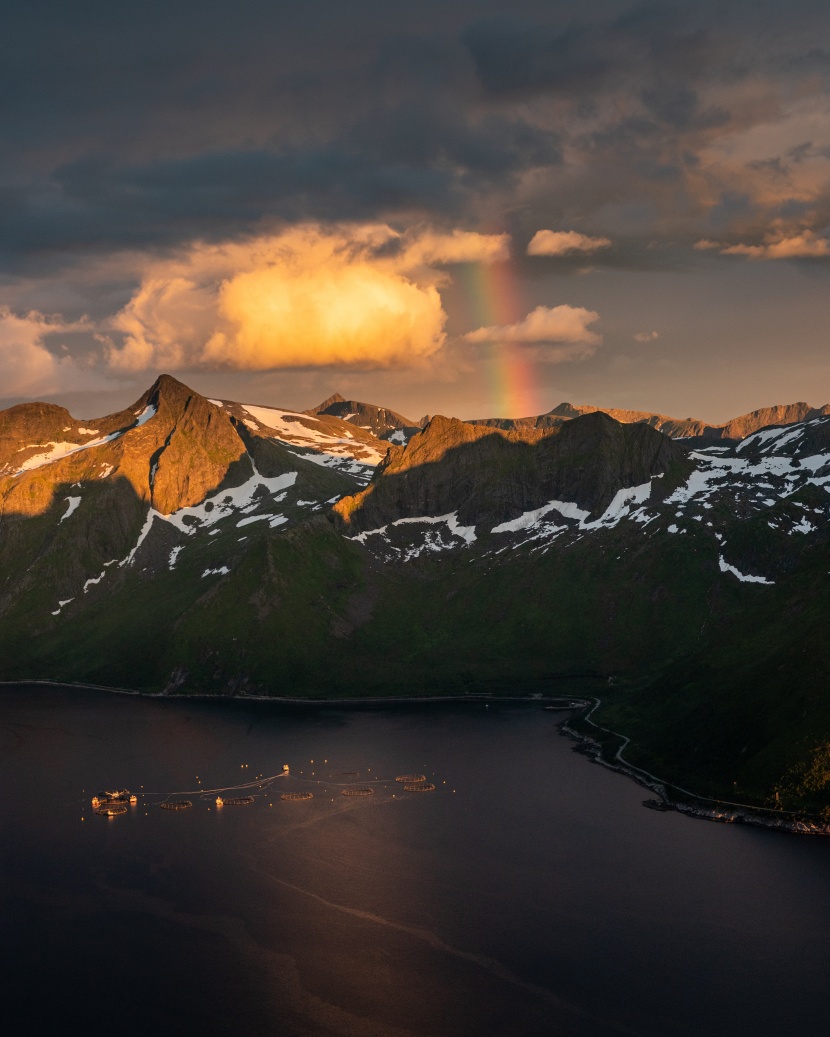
495,298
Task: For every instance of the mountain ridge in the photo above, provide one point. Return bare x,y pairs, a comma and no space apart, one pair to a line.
206,546
735,428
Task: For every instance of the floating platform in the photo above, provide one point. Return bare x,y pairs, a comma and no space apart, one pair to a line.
345,776
411,779
357,792
111,810
113,796
293,797
420,786
176,804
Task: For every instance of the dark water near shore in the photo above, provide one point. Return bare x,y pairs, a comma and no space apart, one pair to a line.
529,895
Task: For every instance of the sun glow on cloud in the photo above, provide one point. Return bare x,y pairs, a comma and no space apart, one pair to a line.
544,324
359,295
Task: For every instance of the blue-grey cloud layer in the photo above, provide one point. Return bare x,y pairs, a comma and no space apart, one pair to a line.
148,124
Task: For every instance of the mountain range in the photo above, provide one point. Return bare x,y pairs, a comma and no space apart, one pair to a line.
675,571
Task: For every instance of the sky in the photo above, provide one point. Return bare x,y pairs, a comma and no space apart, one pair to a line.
468,207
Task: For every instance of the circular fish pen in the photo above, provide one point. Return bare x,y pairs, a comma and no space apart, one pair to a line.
293,797
238,801
113,796
357,792
111,810
411,779
419,787
176,804
345,776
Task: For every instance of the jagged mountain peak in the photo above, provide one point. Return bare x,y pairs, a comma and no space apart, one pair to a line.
335,398
169,393
380,421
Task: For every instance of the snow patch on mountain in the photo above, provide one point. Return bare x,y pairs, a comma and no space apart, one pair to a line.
619,508
532,518
254,492
142,419
225,502
748,478
312,440
362,472
273,520
432,540
73,503
93,580
302,429
770,440
725,567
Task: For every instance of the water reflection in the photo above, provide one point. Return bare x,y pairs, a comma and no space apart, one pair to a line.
529,893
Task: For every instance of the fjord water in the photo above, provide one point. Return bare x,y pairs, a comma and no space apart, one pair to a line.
529,895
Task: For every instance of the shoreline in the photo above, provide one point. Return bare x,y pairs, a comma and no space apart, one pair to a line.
794,822
384,700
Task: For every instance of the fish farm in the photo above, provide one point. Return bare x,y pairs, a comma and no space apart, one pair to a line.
115,802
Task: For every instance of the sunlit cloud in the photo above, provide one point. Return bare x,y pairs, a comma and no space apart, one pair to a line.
775,245
351,295
544,324
458,247
646,336
564,243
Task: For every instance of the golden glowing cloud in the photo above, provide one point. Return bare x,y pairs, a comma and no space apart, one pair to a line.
544,324
564,243
312,295
352,313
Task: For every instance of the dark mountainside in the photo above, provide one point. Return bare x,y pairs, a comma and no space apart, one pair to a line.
494,476
193,546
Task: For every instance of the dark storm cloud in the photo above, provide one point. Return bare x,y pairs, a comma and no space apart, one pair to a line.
149,124
650,53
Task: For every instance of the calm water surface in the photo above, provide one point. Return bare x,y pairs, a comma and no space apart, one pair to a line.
530,894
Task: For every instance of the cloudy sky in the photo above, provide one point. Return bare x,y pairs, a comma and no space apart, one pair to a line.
464,206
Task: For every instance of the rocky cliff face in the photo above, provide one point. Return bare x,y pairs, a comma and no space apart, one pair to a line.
171,461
